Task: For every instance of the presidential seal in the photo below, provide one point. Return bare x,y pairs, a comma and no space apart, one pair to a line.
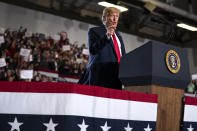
173,61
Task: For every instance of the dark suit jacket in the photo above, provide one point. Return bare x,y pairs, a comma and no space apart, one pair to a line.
103,66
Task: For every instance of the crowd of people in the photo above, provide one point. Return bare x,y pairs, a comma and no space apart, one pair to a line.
45,52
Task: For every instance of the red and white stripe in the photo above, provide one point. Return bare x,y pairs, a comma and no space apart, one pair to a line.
190,109
78,100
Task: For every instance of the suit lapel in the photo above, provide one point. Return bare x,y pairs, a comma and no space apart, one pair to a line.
121,42
113,47
104,31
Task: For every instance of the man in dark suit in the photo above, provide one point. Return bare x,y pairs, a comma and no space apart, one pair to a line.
106,48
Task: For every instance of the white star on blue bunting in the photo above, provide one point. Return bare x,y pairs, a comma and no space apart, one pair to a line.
15,125
128,128
105,127
148,128
50,126
83,126
190,128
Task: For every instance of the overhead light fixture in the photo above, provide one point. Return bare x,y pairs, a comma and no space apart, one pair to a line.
188,27
149,6
107,4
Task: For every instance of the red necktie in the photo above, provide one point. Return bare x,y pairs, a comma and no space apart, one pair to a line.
116,47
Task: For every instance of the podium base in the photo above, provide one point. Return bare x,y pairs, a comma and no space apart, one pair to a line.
169,112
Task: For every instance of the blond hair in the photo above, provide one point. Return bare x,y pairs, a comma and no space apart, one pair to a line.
108,10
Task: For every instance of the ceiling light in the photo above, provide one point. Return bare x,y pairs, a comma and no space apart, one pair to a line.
188,27
149,6
106,4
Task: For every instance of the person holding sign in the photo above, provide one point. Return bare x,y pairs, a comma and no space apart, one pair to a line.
106,48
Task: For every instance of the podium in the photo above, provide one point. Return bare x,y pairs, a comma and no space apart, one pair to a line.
162,69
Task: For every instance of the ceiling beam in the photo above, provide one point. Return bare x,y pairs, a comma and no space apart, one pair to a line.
172,9
70,12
